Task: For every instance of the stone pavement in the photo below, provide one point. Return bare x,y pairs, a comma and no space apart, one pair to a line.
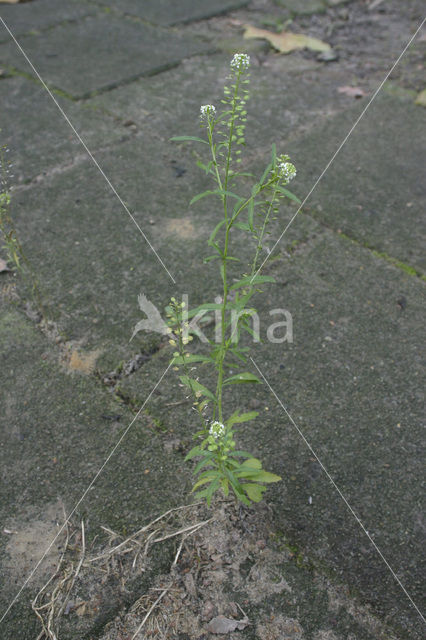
130,75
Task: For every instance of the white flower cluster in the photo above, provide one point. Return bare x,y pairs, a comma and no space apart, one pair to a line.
217,429
207,110
286,169
240,62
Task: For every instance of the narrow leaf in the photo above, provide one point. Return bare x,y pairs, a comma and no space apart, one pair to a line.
243,226
288,193
201,482
203,463
242,378
195,451
201,195
215,230
237,418
189,359
197,387
188,139
251,280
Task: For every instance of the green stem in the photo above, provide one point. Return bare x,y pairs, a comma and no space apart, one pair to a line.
225,256
247,202
181,350
262,233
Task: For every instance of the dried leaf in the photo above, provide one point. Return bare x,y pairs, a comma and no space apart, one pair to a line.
10,1
81,608
285,42
221,624
374,4
3,266
421,98
352,92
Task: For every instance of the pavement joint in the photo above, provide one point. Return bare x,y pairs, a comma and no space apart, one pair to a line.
399,264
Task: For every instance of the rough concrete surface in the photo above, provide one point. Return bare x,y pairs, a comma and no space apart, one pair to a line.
350,270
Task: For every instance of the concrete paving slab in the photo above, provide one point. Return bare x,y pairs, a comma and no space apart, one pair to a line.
344,381
374,191
36,16
100,52
305,7
167,12
57,428
287,96
37,135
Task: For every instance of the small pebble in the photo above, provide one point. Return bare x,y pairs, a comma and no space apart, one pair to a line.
328,56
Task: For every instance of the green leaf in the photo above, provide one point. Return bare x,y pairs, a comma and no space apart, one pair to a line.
252,463
249,330
241,497
243,174
225,486
251,281
208,493
208,167
196,386
201,195
238,354
237,418
258,476
195,451
251,214
210,258
288,193
254,491
242,378
242,225
215,230
188,139
202,481
211,490
211,473
233,480
229,194
265,173
203,463
189,359
216,246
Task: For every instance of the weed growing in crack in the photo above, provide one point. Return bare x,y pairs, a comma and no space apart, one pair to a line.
220,464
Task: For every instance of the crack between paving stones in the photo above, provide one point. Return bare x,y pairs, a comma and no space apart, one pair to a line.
363,244
43,30
76,161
